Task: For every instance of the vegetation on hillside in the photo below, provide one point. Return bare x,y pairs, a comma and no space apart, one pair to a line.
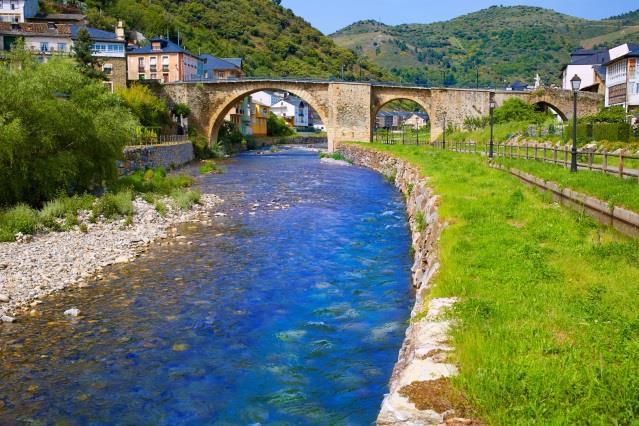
271,39
501,43
544,333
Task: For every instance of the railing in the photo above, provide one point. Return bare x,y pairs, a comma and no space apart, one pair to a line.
620,162
406,136
158,139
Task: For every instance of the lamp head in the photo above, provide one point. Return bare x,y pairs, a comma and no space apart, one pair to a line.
575,82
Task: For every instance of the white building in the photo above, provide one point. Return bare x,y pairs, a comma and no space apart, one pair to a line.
294,110
588,65
622,79
16,11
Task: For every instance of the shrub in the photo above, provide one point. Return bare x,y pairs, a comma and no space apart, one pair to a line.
111,205
61,206
517,110
161,208
277,126
151,181
20,218
150,110
185,199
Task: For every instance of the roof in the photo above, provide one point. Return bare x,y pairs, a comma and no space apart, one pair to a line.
95,33
59,17
517,84
213,63
167,46
632,54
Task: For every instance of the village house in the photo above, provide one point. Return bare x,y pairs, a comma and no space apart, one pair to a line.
163,61
221,68
240,115
294,110
259,118
50,39
622,79
17,11
417,120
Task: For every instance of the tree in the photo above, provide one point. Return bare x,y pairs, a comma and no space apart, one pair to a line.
277,126
150,110
87,63
60,131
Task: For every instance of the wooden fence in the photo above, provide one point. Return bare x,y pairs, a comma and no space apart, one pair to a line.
158,139
621,162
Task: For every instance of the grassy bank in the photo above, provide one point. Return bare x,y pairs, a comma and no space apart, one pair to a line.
619,192
547,332
61,213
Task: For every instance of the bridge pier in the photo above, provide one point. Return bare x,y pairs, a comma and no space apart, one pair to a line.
349,113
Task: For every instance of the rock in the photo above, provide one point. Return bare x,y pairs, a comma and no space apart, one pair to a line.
73,312
121,259
7,318
4,298
3,266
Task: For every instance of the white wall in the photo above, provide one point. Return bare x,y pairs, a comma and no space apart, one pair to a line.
262,98
283,109
585,72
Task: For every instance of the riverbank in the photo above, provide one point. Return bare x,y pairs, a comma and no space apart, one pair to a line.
542,330
420,390
35,266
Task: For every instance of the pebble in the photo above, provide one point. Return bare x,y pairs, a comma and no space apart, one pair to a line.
49,262
7,318
73,312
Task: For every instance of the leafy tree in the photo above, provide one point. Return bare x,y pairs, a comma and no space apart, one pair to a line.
277,126
229,134
59,131
614,114
517,110
87,63
150,110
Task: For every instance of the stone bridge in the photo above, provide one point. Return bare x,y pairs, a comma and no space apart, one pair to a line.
348,109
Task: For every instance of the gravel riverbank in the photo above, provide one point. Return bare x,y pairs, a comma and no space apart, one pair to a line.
33,267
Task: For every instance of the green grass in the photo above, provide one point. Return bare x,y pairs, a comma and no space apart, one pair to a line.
185,199
334,155
151,181
20,218
209,167
548,331
617,191
112,205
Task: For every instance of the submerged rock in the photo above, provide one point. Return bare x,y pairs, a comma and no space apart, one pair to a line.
73,312
7,318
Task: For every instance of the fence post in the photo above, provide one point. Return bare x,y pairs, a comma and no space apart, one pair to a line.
621,153
526,150
554,154
590,158
565,155
605,161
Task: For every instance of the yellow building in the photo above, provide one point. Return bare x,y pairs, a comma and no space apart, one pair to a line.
259,118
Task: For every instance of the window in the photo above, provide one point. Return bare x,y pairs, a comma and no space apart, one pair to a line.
140,64
153,63
107,68
165,64
165,78
154,76
62,47
44,46
141,77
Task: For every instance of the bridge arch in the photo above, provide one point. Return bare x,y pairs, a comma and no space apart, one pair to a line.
219,112
546,106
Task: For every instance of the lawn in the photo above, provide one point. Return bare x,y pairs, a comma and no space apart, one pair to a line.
547,328
619,192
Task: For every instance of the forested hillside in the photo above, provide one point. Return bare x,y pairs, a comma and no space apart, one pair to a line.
502,44
271,39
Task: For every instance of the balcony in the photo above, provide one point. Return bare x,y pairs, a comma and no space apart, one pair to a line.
153,68
141,68
165,68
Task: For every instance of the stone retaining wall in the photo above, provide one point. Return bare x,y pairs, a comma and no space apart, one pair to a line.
423,356
301,140
169,156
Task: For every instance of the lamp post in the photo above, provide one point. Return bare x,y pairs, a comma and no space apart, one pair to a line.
575,83
492,110
444,134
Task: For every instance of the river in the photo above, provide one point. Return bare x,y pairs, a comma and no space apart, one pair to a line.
289,309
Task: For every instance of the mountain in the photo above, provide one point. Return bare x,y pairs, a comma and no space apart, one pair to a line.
502,44
271,39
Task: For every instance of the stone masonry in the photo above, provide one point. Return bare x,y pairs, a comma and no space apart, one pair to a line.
144,157
348,109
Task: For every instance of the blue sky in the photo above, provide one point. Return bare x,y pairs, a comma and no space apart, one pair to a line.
331,15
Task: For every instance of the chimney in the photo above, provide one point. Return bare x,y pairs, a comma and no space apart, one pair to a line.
119,31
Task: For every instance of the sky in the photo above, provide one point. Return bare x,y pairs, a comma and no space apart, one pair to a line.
331,15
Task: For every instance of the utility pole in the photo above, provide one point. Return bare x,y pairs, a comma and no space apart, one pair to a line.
343,71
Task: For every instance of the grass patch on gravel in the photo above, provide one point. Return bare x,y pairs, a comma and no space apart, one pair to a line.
619,192
548,330
20,218
186,199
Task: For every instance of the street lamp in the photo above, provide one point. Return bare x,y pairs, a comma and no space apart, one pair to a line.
575,83
492,110
444,137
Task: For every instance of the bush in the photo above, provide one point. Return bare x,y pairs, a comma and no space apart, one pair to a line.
185,199
277,126
151,181
209,167
51,143
20,218
517,110
150,110
112,205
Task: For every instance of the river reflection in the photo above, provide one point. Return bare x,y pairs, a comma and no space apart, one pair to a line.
288,310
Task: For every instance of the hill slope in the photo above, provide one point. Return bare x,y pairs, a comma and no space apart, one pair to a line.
271,39
505,43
